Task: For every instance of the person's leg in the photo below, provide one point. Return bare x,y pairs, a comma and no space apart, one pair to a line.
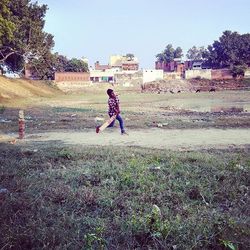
119,118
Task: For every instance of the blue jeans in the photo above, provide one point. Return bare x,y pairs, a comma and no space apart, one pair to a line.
119,118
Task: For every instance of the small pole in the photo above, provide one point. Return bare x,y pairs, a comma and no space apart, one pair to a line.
21,124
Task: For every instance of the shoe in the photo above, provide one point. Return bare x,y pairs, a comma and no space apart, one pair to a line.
124,133
97,129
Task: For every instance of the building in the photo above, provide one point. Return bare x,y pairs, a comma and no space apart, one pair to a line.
116,60
180,67
150,75
176,66
118,65
105,75
124,63
72,76
130,65
98,66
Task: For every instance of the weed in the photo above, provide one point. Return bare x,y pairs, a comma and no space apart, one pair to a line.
229,245
95,240
2,109
66,154
72,110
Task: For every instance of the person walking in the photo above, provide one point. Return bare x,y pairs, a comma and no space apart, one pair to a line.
114,109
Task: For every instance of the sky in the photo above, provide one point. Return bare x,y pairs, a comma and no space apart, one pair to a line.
96,29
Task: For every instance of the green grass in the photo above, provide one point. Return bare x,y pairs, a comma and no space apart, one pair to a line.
123,198
2,108
67,109
246,81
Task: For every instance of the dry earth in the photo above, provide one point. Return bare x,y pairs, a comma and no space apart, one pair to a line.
175,139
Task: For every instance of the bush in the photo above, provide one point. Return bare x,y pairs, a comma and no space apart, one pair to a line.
238,70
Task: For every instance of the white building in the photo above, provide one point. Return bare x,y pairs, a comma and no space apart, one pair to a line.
150,75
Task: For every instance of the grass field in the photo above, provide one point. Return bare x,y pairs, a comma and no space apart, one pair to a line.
123,198
59,196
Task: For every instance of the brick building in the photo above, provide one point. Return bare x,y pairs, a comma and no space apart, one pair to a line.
98,66
72,76
130,65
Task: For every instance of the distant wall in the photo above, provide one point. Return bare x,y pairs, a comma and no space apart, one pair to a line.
101,73
203,73
221,74
98,66
72,76
129,78
247,73
172,76
130,66
152,75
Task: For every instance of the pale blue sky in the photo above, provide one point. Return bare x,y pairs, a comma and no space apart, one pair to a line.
97,29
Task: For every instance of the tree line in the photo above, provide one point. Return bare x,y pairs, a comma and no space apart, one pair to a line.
231,50
23,41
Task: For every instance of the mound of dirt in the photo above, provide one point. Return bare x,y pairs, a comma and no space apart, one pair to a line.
172,86
21,88
194,85
208,85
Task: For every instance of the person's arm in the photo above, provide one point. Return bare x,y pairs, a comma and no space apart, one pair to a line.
117,108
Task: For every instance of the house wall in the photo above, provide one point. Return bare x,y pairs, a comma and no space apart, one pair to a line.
163,65
118,60
101,73
152,75
129,78
221,74
115,60
107,75
172,76
203,73
72,76
174,66
247,73
98,66
130,66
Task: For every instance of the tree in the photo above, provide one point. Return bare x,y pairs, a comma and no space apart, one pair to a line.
60,63
26,41
178,53
76,65
130,57
43,68
195,53
230,50
7,27
169,54
160,57
238,70
46,66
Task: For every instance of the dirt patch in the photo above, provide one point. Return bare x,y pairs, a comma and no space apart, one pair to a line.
194,85
183,139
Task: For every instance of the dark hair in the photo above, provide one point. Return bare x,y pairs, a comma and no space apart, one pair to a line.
109,91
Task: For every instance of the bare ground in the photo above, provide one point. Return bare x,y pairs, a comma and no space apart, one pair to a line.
175,139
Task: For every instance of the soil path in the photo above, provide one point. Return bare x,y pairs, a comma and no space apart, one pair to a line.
152,138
